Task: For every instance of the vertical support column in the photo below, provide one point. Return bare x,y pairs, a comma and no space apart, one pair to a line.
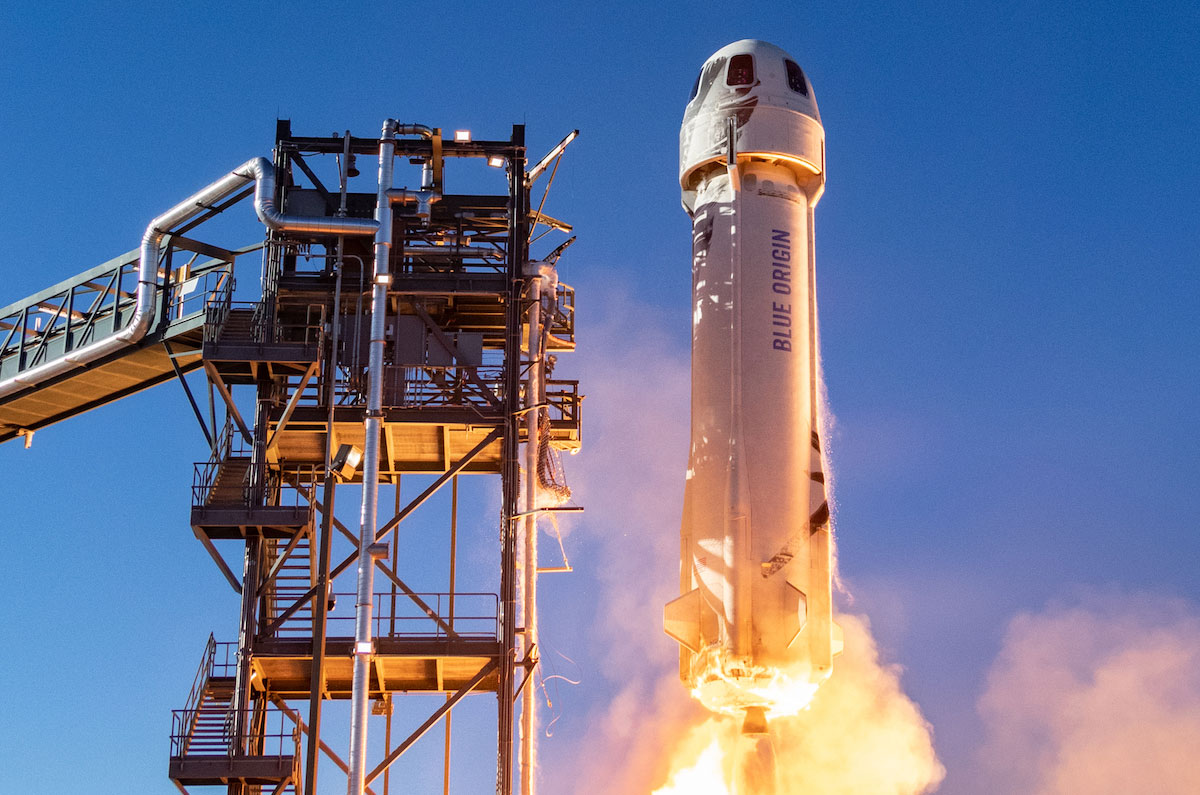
363,645
453,574
249,626
320,615
528,750
518,236
320,610
387,746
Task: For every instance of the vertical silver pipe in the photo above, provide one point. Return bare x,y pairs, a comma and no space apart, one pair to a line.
363,645
453,570
528,752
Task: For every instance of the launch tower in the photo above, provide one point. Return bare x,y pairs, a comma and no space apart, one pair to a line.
401,335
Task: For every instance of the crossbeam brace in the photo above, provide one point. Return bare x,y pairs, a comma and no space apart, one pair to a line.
431,722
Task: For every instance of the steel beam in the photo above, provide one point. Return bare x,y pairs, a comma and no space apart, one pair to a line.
223,390
430,722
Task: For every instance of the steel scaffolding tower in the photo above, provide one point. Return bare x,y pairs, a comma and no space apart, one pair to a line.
452,376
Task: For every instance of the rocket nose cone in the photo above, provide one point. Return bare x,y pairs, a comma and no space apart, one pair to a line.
755,721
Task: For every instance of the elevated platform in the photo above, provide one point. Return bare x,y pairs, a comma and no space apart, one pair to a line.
242,349
212,770
284,667
414,440
121,375
237,521
424,438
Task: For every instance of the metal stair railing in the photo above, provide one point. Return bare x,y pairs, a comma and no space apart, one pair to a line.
191,711
216,311
202,673
184,722
277,738
562,317
205,474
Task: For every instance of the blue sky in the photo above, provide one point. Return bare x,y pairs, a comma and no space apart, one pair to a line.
1007,276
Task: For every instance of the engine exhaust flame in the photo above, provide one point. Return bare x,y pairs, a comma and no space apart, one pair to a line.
770,692
857,733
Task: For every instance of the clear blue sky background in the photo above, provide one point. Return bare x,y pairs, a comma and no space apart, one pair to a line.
1007,257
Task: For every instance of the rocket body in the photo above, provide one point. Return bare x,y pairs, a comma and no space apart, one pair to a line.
755,537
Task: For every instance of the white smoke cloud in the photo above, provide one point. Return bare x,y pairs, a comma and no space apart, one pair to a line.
1098,696
630,478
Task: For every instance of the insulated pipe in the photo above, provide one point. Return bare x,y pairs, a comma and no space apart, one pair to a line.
363,644
258,169
263,173
423,198
533,397
409,129
482,252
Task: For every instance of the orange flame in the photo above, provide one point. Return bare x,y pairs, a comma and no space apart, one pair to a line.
855,732
705,777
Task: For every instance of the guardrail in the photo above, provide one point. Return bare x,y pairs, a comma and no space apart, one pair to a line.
275,735
100,302
300,324
468,615
562,315
564,401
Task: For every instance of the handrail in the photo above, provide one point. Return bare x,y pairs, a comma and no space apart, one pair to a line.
58,323
277,734
202,673
475,616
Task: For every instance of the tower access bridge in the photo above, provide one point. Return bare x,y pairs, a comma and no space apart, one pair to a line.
406,331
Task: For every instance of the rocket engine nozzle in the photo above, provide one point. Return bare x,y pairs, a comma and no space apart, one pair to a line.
755,721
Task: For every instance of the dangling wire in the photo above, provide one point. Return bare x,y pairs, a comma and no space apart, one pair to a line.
551,477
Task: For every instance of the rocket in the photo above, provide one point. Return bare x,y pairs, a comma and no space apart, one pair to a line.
755,551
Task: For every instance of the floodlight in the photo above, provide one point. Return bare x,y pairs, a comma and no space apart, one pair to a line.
462,136
346,460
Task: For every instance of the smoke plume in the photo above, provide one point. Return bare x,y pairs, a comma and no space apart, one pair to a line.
872,738
1101,695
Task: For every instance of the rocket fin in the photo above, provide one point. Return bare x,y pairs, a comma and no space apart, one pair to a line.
839,642
681,619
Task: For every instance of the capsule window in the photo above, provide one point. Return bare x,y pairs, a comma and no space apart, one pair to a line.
795,77
741,70
696,86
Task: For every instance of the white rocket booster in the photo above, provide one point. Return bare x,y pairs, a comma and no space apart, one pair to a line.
755,538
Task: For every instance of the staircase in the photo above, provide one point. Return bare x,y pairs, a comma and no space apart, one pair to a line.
203,747
238,326
296,576
229,484
211,730
203,726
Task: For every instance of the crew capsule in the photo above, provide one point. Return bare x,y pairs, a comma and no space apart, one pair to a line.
773,111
